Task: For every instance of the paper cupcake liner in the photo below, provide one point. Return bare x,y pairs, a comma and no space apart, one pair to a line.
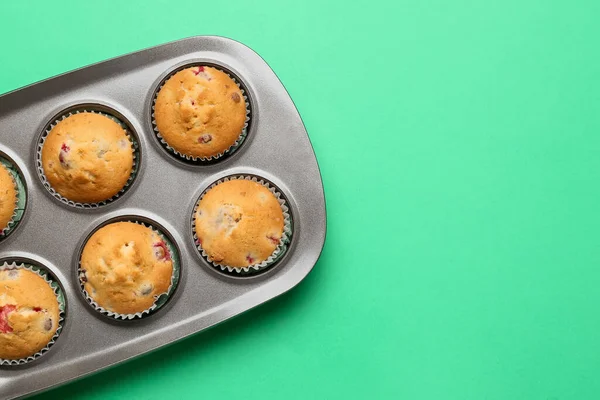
159,301
21,198
60,296
279,251
194,159
64,200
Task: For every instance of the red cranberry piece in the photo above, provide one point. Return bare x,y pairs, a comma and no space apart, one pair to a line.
273,239
161,251
198,70
235,97
250,259
4,311
64,150
37,309
206,138
63,160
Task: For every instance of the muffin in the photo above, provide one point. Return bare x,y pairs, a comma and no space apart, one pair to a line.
87,158
200,112
29,313
239,223
8,197
125,266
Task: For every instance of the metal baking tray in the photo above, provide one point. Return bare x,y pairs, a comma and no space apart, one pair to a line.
51,233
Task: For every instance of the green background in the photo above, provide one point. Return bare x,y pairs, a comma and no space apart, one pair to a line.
459,144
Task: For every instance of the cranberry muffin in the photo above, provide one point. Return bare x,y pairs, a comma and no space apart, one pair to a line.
29,313
87,158
125,266
239,223
200,112
8,197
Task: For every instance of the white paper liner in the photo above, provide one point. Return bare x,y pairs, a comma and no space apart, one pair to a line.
20,199
283,242
64,200
238,142
163,297
61,310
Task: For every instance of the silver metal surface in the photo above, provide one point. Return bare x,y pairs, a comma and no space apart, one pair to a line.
277,148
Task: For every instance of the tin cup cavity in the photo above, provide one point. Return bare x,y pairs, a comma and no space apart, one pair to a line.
160,300
280,250
11,263
96,109
192,160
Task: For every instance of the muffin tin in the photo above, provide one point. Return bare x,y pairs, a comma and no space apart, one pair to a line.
52,232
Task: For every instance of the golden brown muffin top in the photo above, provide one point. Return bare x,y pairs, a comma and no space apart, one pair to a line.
87,157
8,196
239,223
200,112
126,265
29,313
